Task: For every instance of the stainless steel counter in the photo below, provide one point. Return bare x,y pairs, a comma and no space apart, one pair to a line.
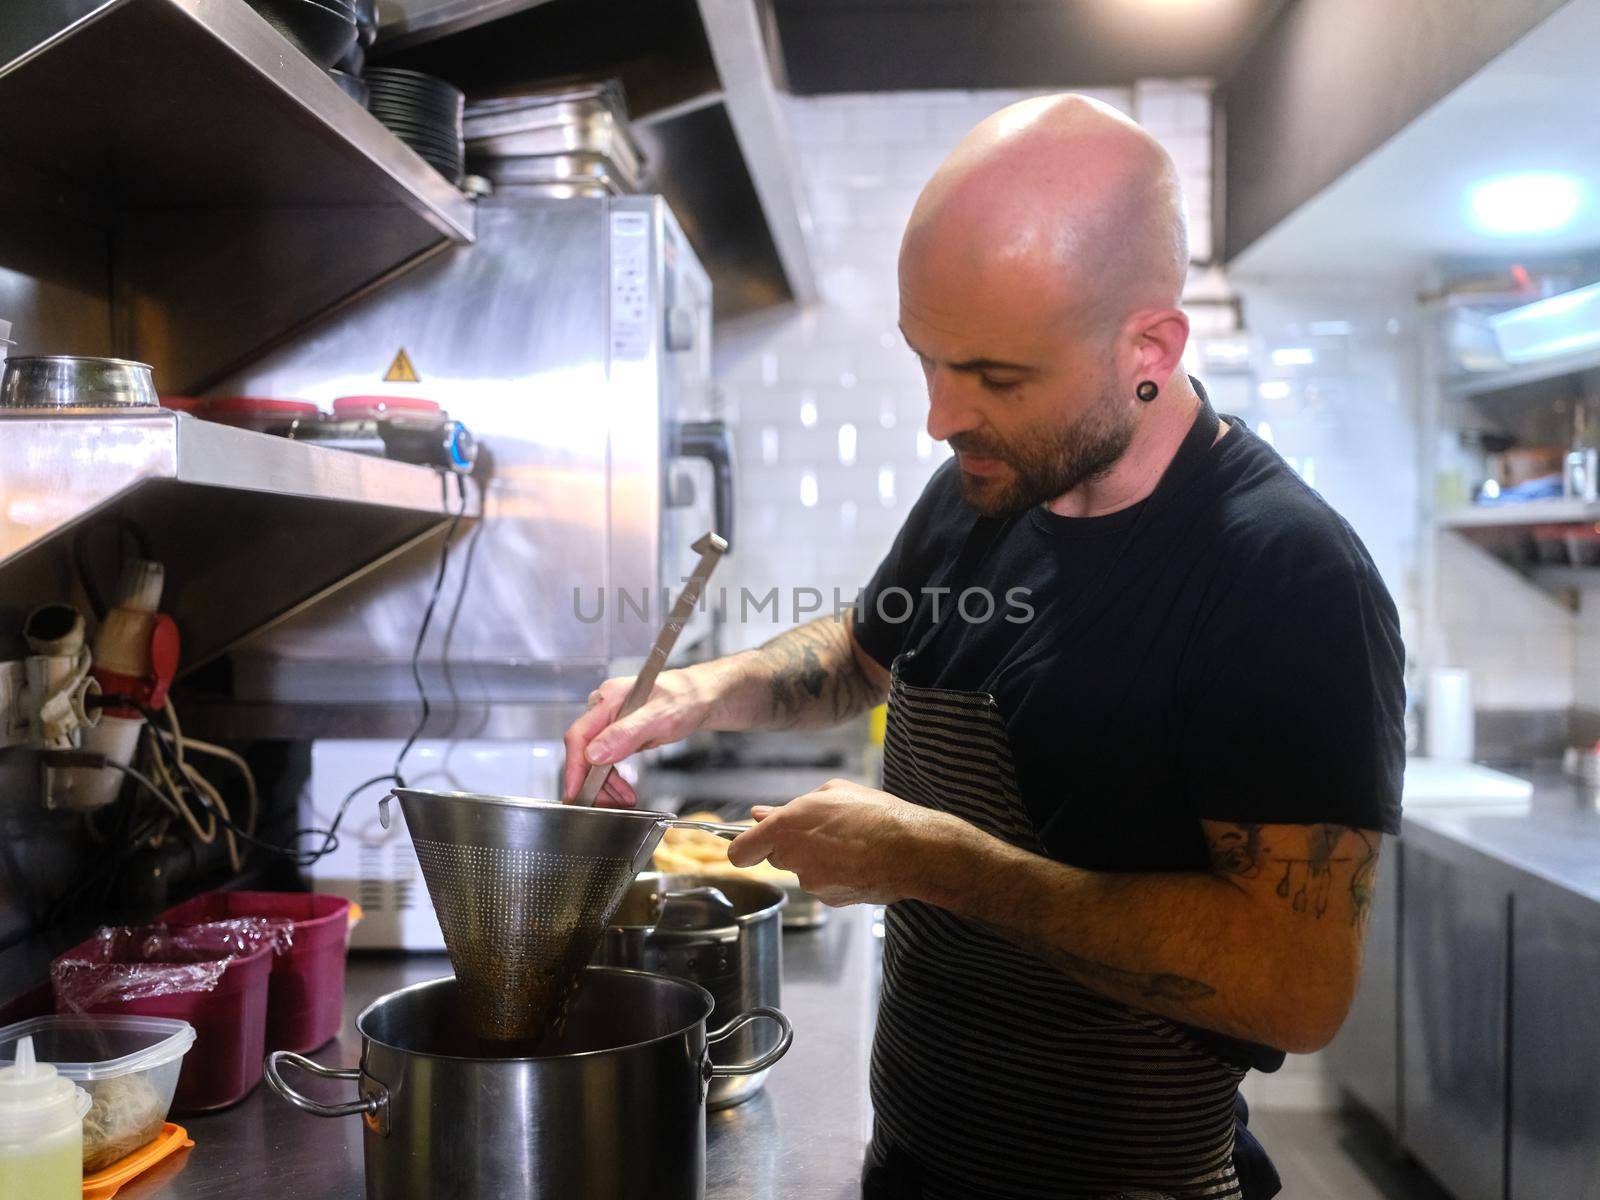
800,1139
1553,846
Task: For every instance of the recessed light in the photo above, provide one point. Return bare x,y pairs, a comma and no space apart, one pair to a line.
1524,202
1274,389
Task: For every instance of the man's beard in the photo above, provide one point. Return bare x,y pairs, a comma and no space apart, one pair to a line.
1051,463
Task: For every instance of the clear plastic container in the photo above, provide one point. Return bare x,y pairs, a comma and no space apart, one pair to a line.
214,976
128,1066
41,1130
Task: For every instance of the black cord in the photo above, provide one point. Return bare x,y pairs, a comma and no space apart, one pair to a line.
427,619
445,641
330,835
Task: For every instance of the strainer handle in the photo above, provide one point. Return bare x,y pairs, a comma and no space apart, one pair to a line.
723,831
719,1070
373,1107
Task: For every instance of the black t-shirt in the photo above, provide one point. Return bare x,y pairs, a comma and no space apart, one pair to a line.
1223,650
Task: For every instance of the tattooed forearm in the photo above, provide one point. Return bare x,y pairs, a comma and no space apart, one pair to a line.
1315,868
1364,880
812,676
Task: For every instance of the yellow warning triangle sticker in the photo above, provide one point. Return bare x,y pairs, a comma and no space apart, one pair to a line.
401,370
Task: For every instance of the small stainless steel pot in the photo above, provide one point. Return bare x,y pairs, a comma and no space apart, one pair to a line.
721,932
610,1108
65,381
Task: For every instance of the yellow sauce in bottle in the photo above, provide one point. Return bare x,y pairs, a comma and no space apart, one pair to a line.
41,1130
53,1171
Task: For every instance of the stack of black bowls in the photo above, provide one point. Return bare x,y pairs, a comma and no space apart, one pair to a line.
347,71
424,113
322,30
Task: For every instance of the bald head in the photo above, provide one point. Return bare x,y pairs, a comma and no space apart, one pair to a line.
1066,192
1039,284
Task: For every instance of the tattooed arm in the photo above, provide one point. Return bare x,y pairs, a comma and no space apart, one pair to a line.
810,677
1265,946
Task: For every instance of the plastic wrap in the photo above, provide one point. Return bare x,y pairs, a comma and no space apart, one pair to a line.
136,962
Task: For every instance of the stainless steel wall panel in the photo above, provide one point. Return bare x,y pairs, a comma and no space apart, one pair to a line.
1364,1059
1453,1011
1555,1047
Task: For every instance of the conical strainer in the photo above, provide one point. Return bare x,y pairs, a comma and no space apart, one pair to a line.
523,890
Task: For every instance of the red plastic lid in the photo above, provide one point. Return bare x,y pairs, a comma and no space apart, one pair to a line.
349,406
259,406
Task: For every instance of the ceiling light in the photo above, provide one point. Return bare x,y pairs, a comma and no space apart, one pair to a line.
1293,356
1524,202
1274,389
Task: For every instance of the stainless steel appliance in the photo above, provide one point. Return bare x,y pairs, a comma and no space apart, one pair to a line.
612,1108
573,338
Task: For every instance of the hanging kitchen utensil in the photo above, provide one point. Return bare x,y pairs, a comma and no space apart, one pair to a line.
523,890
711,548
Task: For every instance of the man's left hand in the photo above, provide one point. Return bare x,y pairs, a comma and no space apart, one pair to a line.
851,844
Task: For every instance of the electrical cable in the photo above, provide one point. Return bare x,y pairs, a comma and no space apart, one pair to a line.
174,793
427,616
331,839
190,775
167,746
187,743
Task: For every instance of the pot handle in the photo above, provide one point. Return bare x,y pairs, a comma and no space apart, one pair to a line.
767,1059
374,1107
722,831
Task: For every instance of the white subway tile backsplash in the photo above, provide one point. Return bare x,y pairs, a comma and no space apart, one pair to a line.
814,124
887,209
833,209
1194,112
854,166
914,165
1157,110
889,120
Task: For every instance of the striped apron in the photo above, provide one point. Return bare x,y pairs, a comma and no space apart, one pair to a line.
995,1074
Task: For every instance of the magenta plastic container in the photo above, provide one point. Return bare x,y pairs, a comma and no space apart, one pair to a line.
305,1004
230,1024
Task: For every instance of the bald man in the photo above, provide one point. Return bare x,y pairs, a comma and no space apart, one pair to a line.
1145,705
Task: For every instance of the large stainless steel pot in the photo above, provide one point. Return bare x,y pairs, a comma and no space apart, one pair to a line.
721,932
610,1108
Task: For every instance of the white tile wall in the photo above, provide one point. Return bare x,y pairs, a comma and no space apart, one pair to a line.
1519,643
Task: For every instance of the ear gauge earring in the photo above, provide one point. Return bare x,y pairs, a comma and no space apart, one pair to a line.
1147,390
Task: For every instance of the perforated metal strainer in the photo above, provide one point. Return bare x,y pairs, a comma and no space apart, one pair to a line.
523,890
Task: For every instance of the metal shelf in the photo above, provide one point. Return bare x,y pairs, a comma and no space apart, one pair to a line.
1463,386
250,527
240,191
1535,512
1571,579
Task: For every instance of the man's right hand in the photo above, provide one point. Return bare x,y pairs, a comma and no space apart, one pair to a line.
677,706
